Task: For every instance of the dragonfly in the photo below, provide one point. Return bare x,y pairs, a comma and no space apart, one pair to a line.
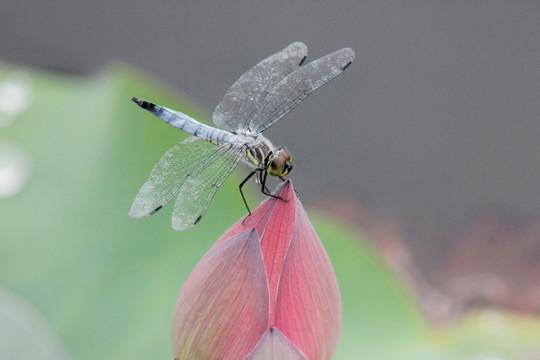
195,168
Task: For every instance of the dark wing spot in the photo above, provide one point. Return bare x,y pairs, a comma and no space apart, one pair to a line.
156,210
197,220
346,66
302,61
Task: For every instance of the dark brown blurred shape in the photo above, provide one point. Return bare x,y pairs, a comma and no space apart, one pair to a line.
491,259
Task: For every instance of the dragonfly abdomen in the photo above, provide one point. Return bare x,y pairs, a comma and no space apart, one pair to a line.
184,122
256,148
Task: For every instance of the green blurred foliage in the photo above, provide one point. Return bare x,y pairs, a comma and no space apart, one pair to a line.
106,284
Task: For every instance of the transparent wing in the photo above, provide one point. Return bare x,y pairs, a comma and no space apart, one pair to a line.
199,189
171,173
294,88
240,100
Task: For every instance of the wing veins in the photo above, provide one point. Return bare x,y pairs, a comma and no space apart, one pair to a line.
295,87
199,189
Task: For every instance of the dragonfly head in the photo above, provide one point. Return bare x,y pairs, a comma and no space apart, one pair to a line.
280,163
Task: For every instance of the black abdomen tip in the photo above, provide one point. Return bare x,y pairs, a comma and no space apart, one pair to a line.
143,103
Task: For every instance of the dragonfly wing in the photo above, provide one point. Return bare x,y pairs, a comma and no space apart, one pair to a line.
294,88
240,101
169,174
199,189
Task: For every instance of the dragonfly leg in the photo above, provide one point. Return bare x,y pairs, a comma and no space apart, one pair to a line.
265,190
242,193
262,177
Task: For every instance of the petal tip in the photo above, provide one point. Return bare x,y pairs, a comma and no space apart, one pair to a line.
286,191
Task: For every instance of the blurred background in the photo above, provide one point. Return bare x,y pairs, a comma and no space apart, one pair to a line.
428,143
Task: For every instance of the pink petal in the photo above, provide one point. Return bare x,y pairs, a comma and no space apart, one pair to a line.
222,310
275,239
275,346
304,301
274,221
263,213
308,305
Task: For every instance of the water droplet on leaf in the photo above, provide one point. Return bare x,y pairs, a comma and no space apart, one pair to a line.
15,96
15,168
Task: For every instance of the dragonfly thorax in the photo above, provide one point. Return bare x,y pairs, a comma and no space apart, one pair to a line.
264,156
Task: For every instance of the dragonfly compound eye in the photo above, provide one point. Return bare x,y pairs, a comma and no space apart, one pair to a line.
276,167
285,154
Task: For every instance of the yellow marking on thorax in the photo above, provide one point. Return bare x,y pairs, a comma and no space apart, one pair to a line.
257,154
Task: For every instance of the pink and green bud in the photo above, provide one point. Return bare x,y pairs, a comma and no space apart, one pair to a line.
265,290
